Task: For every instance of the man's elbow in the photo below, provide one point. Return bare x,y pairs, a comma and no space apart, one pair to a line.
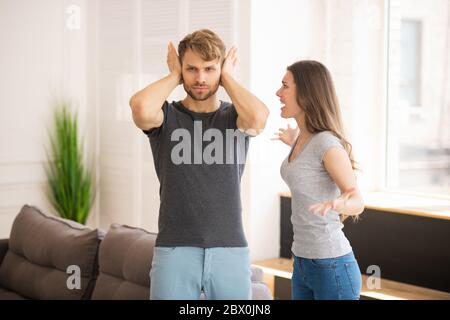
140,114
260,120
135,103
137,109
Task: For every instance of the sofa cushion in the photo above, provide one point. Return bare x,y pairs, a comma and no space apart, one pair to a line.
9,295
3,249
41,248
125,259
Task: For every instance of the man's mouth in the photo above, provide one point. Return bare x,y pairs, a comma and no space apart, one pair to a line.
200,88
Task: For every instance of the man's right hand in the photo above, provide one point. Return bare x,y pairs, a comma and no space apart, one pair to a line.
173,62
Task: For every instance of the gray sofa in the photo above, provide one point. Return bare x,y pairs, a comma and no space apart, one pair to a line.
52,258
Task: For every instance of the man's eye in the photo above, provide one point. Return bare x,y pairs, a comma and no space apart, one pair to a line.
209,69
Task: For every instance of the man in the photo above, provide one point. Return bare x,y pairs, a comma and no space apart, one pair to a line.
199,146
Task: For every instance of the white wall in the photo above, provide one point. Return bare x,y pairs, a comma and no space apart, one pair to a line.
356,58
281,34
40,59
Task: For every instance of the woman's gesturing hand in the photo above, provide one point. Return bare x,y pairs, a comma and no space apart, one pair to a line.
288,135
324,207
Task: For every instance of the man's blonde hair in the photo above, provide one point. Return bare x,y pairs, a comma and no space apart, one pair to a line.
204,42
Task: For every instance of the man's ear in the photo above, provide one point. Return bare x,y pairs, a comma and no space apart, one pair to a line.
181,76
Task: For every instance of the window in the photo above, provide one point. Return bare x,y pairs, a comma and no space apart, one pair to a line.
410,45
418,139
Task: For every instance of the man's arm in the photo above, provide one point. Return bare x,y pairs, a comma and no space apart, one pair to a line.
252,112
146,105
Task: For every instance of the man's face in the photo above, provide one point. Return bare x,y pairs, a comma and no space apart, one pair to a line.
201,78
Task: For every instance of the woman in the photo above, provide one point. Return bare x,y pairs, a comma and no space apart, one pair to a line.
320,174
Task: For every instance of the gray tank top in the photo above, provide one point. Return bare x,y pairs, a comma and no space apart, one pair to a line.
315,237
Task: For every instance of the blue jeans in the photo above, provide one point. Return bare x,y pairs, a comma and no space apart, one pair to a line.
182,273
326,279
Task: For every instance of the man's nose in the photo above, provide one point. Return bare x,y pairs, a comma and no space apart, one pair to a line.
201,77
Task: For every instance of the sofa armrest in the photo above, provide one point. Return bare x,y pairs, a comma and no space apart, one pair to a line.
4,246
260,289
257,274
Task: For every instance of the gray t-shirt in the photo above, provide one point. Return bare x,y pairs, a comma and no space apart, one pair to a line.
199,177
315,236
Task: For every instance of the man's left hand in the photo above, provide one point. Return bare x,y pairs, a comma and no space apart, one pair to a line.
228,64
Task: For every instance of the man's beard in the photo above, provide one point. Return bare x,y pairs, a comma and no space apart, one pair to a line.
201,97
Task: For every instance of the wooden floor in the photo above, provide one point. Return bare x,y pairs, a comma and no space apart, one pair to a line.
390,290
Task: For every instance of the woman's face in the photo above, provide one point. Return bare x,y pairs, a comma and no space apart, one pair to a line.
288,97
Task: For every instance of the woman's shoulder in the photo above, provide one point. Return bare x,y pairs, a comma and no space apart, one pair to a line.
324,141
326,137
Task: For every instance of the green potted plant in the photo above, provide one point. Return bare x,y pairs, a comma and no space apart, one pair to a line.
71,184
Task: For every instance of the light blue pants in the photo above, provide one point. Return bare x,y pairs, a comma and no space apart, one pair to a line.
182,273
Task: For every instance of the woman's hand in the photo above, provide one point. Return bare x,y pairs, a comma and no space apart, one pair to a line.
339,202
288,135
